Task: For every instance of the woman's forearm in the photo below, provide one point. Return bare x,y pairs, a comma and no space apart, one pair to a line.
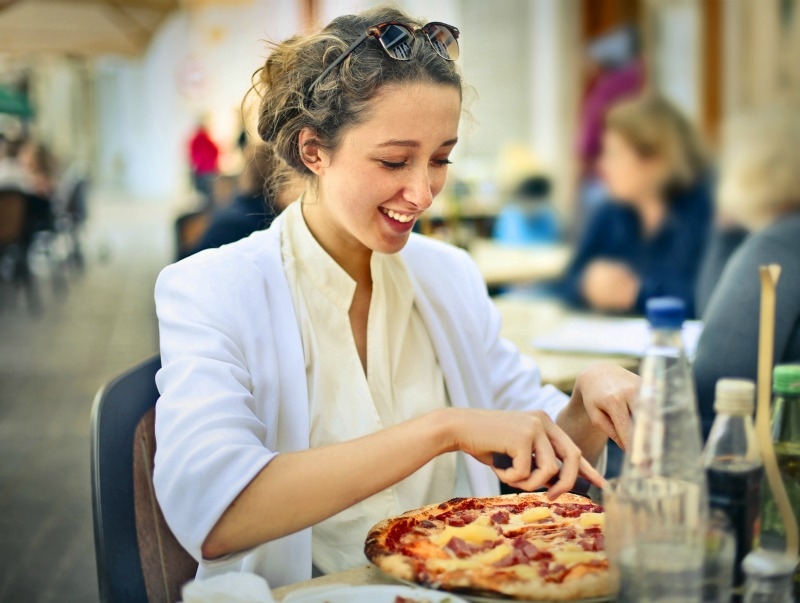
300,489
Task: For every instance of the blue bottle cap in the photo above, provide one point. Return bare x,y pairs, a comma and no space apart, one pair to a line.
666,312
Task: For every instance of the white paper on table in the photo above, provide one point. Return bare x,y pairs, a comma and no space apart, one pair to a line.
612,336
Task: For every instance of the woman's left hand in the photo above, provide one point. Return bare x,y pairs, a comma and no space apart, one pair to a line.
601,408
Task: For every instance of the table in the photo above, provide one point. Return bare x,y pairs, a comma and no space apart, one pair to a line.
525,319
513,265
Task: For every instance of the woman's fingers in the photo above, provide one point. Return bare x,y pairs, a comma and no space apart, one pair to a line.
570,456
608,393
547,466
601,420
560,461
590,473
520,468
524,436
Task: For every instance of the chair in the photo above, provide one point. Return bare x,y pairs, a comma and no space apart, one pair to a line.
189,229
138,557
15,239
73,219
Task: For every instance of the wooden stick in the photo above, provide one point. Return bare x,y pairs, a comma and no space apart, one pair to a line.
766,339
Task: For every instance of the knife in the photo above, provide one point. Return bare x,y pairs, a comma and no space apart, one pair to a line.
501,460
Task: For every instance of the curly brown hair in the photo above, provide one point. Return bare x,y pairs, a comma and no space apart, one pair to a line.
342,99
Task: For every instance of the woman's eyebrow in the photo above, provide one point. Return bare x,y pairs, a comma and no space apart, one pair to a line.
414,143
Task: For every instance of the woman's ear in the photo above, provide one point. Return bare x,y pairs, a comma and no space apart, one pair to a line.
314,157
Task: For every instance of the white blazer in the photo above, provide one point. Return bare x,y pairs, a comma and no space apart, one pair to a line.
233,383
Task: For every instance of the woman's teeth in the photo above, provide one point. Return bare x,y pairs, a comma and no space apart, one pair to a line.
394,215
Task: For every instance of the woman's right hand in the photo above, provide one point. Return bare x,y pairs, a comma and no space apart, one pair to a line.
520,435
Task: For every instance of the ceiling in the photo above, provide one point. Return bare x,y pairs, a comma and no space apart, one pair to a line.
81,27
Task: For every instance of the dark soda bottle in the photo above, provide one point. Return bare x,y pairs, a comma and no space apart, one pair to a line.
733,465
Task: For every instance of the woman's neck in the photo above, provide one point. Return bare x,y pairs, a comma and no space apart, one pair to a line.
652,210
350,254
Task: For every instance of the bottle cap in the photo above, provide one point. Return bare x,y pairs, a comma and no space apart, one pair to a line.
762,563
786,379
735,397
666,312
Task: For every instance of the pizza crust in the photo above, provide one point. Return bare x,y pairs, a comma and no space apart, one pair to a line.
405,547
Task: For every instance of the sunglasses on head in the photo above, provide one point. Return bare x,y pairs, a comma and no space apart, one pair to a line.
396,40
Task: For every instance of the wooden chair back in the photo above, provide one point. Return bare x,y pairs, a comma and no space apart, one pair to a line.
12,217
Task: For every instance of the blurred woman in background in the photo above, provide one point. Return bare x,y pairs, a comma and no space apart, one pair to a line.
647,240
760,188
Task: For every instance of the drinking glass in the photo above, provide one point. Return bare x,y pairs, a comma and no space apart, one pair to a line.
655,537
720,557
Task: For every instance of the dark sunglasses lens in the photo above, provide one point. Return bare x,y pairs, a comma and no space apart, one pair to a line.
397,41
443,40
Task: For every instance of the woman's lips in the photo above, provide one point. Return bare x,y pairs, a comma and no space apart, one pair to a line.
398,221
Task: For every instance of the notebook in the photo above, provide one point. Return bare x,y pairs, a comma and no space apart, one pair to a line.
612,336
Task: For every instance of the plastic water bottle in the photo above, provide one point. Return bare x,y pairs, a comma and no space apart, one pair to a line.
666,558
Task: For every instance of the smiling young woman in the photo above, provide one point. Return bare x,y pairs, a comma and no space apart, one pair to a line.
336,369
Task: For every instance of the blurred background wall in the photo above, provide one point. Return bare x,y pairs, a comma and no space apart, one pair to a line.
127,108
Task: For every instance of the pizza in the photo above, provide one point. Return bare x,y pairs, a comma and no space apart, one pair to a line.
519,546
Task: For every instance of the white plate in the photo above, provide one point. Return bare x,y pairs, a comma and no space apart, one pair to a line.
369,594
503,599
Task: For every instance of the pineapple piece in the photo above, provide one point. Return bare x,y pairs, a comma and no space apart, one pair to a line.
536,514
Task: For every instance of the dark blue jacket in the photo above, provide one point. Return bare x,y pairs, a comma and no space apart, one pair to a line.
245,215
666,263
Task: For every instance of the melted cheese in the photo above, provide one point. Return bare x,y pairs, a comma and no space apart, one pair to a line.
569,558
474,533
484,559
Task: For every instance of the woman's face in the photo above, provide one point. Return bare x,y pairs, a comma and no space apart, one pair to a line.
629,176
386,170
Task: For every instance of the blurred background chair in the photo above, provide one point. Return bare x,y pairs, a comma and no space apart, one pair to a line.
72,219
138,557
189,229
15,240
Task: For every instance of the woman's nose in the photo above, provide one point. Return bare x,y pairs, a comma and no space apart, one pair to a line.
418,189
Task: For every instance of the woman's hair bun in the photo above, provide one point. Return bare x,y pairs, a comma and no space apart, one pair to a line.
341,99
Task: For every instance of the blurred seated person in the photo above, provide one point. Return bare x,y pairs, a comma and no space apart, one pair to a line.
647,240
528,218
614,71
725,238
263,195
759,187
40,168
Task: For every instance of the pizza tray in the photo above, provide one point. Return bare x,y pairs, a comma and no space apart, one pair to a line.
486,598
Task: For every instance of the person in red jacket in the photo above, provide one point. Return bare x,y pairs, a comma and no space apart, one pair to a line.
203,158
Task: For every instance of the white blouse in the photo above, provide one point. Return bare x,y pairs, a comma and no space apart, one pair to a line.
403,379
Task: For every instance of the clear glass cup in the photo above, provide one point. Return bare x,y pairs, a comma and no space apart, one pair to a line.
720,559
655,539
